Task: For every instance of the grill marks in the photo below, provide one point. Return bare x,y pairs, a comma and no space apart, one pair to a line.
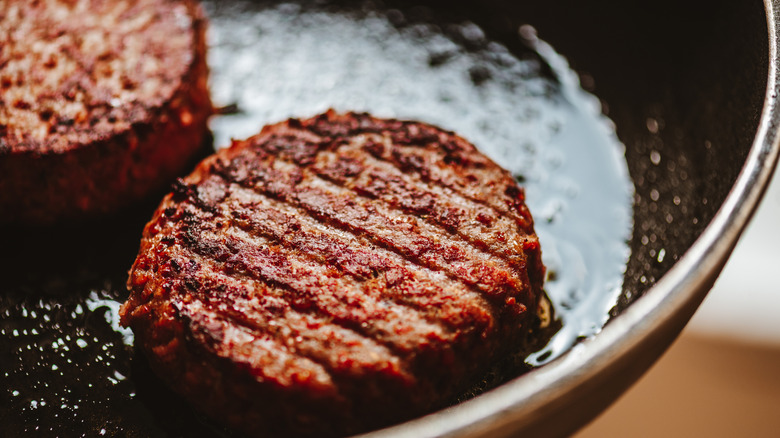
308,286
479,224
437,158
267,316
335,257
476,182
409,236
280,297
391,276
408,172
267,358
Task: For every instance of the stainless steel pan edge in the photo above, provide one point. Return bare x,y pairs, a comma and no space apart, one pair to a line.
561,397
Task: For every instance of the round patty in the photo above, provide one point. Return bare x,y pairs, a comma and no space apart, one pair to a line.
101,103
333,275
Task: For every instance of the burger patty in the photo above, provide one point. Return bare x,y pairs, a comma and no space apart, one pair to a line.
101,103
336,274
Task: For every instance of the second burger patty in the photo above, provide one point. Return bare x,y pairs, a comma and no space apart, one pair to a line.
101,104
336,274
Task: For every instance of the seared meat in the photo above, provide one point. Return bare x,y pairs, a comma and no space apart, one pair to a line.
101,103
333,275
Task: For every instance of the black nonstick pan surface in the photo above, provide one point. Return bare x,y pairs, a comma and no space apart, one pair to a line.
637,129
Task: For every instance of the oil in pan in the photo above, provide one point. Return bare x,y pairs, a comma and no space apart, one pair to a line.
528,113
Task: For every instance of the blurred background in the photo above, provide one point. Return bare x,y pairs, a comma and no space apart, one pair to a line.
721,378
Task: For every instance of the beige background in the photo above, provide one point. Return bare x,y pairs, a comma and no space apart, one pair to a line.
702,387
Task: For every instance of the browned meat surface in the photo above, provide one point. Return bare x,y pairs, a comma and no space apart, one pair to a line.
101,103
333,275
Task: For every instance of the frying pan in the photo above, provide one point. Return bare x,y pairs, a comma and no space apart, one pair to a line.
705,69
